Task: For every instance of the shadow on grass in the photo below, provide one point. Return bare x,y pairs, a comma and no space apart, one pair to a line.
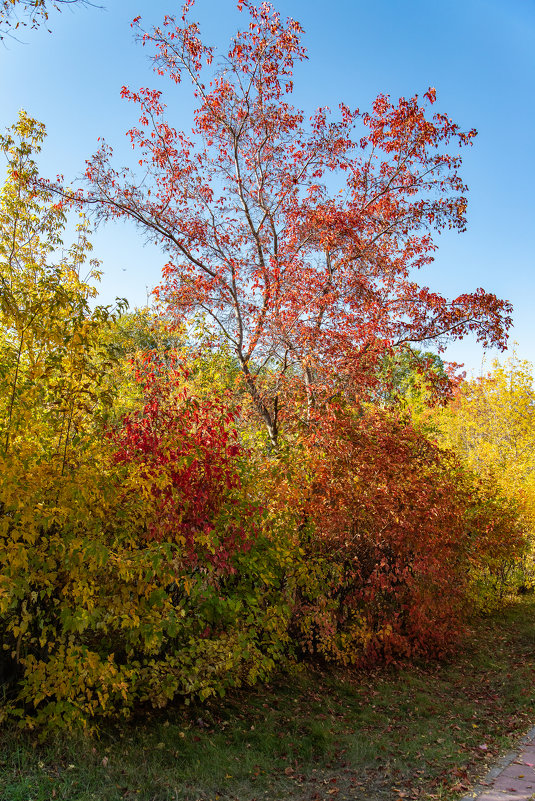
422,732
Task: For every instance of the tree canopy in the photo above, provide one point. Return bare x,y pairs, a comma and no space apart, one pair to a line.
297,238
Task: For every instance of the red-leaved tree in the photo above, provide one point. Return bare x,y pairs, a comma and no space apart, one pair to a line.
298,238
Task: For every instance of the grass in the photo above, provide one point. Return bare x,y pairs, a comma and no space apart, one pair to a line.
424,732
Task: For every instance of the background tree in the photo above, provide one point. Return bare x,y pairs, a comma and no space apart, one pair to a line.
491,424
296,238
415,379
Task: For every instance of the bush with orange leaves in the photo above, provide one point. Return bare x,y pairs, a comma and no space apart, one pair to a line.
394,532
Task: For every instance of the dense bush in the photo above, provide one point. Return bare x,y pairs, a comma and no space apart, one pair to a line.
142,573
398,533
133,563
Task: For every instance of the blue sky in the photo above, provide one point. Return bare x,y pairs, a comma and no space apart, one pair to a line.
478,54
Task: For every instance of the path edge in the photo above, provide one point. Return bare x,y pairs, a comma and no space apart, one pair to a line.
501,764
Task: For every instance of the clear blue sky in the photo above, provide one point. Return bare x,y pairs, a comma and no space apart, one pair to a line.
478,54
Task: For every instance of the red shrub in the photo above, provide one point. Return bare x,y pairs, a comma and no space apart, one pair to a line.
186,464
387,511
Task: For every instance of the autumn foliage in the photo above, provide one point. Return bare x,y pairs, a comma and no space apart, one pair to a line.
297,239
197,495
401,527
183,458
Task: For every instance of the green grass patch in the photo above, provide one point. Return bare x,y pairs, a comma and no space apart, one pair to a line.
422,732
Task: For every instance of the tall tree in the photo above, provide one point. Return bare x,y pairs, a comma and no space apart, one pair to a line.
297,238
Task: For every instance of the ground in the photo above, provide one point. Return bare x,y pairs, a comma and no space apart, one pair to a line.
416,732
